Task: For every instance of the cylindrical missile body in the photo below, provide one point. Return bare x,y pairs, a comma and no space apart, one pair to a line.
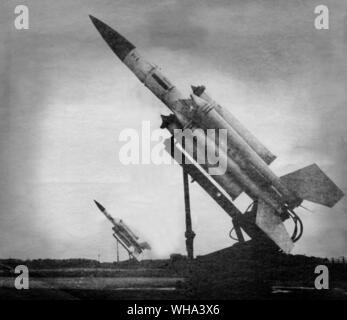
186,114
165,91
155,81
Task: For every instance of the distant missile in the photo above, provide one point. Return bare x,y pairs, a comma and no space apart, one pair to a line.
247,159
123,232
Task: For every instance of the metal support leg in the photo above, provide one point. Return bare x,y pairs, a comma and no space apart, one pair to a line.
189,234
117,247
238,230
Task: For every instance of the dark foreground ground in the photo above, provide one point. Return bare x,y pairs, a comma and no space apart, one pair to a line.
238,272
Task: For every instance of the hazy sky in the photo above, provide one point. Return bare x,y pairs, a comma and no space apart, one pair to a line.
65,97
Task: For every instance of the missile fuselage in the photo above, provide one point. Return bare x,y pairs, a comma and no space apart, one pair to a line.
154,80
245,166
121,230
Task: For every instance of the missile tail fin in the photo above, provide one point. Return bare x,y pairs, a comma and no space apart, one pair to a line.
312,184
268,221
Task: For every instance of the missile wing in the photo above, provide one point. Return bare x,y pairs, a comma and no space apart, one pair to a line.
312,184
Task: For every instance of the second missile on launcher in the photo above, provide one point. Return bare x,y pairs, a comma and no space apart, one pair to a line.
123,232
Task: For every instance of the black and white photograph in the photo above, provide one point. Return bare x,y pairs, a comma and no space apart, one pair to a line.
173,151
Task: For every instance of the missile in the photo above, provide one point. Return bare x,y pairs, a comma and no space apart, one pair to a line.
152,78
123,232
247,159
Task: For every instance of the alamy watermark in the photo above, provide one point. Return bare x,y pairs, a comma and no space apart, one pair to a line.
21,21
22,280
207,147
322,280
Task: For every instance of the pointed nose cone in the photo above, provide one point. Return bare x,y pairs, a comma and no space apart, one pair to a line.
119,45
101,208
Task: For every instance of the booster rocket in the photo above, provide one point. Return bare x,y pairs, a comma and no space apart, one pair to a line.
246,157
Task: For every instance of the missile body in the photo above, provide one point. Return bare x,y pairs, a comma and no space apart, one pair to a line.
187,111
123,232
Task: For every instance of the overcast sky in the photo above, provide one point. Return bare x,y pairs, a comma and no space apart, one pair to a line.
65,97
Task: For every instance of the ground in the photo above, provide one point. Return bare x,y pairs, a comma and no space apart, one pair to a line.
242,271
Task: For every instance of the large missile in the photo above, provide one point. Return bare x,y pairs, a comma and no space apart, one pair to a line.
246,158
152,78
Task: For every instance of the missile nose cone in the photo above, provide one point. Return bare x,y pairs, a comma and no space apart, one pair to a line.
101,208
119,45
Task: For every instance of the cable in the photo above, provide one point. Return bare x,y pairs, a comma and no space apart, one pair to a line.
298,226
230,234
233,228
